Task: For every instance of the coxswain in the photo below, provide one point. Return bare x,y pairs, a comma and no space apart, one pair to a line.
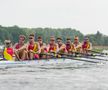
8,51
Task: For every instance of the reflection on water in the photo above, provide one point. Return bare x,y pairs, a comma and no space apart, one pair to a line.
58,76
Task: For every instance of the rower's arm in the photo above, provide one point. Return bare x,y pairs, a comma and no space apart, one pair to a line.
57,48
79,48
44,46
39,48
14,47
48,46
90,48
62,47
73,49
23,47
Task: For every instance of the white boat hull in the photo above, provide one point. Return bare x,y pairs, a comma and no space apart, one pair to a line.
40,62
46,62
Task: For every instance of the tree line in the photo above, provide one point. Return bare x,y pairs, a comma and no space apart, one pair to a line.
14,32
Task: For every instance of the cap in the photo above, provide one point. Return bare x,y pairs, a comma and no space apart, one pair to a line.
7,41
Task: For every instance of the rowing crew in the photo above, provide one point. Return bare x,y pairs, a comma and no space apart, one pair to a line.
32,50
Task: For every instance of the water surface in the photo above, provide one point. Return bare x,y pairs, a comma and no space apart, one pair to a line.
64,76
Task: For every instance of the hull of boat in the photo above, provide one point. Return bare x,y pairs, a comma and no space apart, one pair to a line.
41,62
47,61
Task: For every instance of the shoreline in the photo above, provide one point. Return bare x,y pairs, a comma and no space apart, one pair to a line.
100,48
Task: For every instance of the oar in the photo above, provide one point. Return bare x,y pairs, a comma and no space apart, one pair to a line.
75,54
78,59
83,56
93,58
68,57
1,59
72,57
49,54
98,52
90,54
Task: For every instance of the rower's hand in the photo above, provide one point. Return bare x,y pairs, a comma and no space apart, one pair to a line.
58,51
31,51
17,50
52,51
38,52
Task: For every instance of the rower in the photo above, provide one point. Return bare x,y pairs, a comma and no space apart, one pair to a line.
86,45
8,51
70,46
52,47
33,48
20,49
43,48
77,44
61,46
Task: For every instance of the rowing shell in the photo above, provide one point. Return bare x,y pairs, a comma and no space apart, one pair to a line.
48,61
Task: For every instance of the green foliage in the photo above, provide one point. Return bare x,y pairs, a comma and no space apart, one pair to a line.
10,33
64,33
98,39
14,32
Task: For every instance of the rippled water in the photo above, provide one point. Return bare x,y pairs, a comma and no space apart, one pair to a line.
65,76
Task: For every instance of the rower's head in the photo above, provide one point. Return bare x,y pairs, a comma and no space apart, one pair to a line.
68,41
31,38
76,39
8,43
59,40
40,41
86,39
22,39
52,40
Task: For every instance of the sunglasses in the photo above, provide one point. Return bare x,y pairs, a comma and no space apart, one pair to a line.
58,41
30,38
39,40
52,40
75,39
7,43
